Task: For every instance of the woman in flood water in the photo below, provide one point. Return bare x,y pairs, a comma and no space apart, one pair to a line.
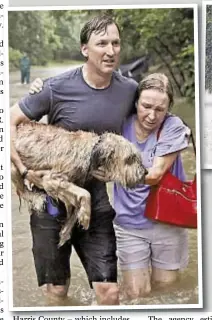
151,252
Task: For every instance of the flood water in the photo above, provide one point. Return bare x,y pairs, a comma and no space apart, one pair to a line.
25,290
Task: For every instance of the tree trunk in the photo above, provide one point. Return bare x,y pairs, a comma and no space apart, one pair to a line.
170,71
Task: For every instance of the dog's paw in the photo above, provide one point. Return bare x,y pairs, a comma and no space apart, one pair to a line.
65,235
83,218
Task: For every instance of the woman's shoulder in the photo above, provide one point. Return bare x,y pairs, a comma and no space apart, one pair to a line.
173,121
174,127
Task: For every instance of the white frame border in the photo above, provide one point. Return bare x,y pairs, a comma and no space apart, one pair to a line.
206,165
9,222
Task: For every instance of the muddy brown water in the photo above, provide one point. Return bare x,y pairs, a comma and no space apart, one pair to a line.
25,290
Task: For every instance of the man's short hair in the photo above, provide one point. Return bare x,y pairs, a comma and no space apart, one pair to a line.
97,25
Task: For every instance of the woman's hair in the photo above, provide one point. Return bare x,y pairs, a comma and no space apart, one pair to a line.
160,82
97,24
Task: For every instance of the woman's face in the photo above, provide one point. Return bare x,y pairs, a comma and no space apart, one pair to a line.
151,108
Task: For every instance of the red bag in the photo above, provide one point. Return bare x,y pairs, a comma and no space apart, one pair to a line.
173,201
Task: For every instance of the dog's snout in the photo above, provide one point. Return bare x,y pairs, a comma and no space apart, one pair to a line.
142,172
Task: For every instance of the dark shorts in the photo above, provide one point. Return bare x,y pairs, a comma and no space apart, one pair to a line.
96,248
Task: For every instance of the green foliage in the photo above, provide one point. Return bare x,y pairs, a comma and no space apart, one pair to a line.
164,35
33,32
14,58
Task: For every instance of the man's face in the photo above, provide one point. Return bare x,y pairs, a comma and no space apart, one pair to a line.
102,50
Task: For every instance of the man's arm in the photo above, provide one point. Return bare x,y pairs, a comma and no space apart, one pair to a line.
31,107
160,166
16,117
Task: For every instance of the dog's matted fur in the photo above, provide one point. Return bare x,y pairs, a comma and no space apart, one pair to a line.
63,161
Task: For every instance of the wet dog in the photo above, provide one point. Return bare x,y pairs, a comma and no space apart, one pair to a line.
60,162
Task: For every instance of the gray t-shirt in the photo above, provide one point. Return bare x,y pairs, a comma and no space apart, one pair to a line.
72,104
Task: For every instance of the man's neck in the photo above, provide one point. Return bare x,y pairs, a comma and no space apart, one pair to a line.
94,79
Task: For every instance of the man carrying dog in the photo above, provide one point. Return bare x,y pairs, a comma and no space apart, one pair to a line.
96,98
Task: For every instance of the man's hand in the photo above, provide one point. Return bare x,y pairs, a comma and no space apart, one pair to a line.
28,184
36,86
34,178
100,174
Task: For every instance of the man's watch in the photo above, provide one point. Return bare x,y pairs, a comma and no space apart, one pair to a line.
24,174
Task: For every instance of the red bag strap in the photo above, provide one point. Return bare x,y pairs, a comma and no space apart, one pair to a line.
193,142
191,135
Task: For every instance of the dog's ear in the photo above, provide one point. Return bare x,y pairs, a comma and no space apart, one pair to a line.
130,160
101,157
96,158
